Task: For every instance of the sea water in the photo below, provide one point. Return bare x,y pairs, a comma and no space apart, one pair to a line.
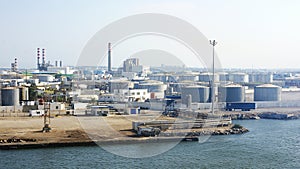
269,144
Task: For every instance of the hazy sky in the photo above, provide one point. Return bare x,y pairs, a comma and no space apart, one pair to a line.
251,33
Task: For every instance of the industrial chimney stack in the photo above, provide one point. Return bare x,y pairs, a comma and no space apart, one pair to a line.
43,58
14,66
109,57
38,58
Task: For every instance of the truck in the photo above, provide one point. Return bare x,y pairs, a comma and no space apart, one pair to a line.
244,106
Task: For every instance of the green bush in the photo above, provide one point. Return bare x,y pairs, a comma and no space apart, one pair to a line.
236,126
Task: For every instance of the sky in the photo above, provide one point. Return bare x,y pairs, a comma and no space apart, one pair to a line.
250,33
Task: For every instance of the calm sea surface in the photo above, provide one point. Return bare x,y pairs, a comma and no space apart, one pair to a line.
269,144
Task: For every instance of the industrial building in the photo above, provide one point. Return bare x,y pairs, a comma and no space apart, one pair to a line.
131,95
155,88
129,64
119,84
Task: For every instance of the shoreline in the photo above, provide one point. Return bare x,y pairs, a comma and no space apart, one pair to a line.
124,140
24,133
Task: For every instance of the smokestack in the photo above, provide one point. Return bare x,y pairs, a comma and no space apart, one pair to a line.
38,58
60,63
56,64
16,62
14,65
109,57
43,59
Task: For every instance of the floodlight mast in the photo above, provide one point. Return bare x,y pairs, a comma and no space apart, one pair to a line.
213,43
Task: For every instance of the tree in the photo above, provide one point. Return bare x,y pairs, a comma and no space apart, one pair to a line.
33,93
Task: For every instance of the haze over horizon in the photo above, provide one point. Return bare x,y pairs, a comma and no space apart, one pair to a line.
250,34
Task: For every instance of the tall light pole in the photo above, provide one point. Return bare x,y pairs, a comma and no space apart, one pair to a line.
213,43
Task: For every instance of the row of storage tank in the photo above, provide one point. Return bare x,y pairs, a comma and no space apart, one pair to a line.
231,93
12,96
219,76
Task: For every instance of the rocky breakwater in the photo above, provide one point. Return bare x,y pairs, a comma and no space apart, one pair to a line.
234,129
278,115
17,140
242,116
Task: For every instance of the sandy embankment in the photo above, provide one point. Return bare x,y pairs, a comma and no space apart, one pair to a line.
71,130
64,129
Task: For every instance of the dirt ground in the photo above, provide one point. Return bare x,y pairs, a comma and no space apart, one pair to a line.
69,128
64,129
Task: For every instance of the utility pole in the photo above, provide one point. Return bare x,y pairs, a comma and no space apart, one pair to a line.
213,43
46,127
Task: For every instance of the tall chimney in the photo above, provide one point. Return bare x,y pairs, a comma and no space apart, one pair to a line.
60,63
38,58
56,64
16,63
109,57
43,59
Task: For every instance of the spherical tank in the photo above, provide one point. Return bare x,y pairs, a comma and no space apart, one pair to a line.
267,92
198,94
10,96
231,93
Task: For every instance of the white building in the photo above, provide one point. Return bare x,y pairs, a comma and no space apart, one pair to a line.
60,70
131,95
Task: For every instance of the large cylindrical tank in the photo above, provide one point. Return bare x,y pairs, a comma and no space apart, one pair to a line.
10,96
267,92
198,94
24,93
238,77
231,93
223,76
153,86
45,78
207,77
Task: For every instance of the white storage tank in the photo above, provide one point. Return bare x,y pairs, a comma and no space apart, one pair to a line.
153,86
223,76
207,77
10,96
45,78
267,92
199,94
24,93
239,77
231,93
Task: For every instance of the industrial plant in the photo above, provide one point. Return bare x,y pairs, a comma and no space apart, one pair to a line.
139,91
